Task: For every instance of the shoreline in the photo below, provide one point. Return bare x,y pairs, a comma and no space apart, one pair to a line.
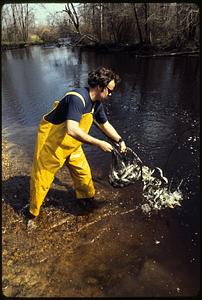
134,49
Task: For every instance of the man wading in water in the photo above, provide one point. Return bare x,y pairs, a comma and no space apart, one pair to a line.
60,136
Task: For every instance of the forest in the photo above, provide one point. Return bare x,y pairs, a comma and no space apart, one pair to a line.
165,26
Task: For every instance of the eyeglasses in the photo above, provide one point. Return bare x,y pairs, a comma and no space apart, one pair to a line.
109,91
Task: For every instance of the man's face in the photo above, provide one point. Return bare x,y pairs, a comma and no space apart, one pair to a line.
103,95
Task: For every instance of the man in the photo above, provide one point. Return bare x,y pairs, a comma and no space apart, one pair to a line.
61,134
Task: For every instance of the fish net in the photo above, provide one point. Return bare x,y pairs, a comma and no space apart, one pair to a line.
127,168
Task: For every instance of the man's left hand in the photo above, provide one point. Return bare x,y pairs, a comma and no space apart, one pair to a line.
122,146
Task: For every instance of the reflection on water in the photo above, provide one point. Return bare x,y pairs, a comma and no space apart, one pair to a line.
156,110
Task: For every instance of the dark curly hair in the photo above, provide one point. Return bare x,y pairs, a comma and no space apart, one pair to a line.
101,77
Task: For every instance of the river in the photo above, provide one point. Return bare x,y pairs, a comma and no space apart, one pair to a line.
155,108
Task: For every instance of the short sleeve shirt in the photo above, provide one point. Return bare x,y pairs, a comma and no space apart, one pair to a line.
71,107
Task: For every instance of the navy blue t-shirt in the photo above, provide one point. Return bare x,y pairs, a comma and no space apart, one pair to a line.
71,107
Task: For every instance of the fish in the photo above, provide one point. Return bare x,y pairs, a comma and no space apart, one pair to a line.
128,168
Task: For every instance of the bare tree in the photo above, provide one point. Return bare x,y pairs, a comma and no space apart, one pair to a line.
101,21
147,32
18,19
138,25
70,9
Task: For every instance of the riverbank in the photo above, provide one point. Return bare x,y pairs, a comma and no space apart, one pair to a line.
143,49
135,49
19,45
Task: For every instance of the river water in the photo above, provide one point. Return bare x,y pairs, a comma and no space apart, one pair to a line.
155,108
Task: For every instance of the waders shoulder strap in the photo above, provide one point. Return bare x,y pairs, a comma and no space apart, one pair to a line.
78,95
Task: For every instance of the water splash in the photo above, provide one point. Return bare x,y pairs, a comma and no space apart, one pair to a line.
157,193
128,168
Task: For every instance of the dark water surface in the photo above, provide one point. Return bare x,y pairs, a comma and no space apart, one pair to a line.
156,110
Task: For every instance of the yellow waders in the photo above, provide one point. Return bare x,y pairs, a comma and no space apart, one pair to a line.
53,147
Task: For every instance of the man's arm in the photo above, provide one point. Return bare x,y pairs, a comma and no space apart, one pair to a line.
76,132
111,132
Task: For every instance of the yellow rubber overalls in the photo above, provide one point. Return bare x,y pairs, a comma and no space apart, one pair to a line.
53,147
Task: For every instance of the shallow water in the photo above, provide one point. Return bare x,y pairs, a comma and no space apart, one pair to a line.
156,110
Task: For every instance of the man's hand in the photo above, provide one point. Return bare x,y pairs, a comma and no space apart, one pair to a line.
122,146
105,146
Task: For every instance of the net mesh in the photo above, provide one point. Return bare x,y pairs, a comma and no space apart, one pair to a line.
126,168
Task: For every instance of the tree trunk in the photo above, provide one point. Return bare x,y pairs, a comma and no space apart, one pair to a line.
146,11
73,16
14,21
138,25
101,21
